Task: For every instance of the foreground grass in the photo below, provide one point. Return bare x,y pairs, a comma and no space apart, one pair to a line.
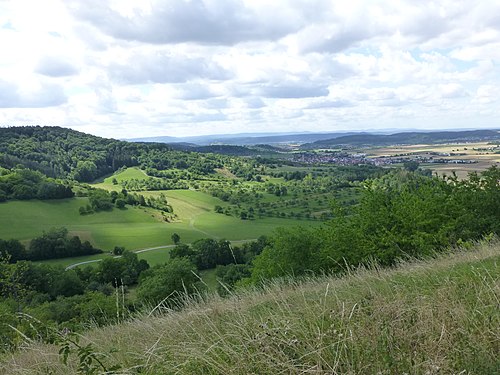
427,317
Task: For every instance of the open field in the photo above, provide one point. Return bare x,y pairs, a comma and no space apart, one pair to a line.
483,154
125,175
429,317
134,228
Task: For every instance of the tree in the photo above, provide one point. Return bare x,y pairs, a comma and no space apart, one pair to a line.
13,249
168,282
292,251
100,200
118,250
120,203
411,165
175,238
85,171
229,275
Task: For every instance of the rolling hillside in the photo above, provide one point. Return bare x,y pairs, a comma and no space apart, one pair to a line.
406,138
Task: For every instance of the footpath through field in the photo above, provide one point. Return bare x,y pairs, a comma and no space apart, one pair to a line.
143,251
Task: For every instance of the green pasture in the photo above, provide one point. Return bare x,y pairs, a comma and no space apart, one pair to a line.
135,228
132,227
125,175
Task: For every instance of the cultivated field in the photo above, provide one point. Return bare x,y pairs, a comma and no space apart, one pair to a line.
482,154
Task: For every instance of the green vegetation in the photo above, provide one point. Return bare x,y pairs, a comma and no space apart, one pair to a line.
52,244
134,227
176,225
436,316
402,214
22,184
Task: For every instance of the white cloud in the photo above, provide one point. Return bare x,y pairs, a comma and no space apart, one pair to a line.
181,67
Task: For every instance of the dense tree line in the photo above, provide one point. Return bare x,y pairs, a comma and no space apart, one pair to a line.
402,214
152,184
52,244
65,153
104,200
21,183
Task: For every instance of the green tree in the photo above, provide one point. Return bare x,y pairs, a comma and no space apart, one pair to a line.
175,238
291,251
166,283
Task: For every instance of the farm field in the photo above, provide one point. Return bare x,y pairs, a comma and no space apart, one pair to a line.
483,154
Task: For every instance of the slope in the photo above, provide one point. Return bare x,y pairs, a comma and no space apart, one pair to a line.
425,317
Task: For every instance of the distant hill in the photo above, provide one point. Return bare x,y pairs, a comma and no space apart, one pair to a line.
230,150
245,139
367,139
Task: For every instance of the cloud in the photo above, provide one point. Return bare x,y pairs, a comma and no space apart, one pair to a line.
55,67
340,103
225,22
194,91
165,67
47,95
254,102
292,91
249,64
452,91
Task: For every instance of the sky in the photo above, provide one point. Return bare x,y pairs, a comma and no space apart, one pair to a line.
137,68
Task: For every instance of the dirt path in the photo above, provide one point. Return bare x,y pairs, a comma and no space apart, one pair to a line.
148,249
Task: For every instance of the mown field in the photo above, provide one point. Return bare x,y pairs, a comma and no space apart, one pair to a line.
135,228
483,154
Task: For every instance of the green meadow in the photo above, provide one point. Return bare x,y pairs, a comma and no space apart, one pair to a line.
125,175
135,228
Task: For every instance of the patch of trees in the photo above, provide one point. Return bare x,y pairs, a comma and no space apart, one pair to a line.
69,298
232,262
52,244
103,200
152,184
56,243
21,183
400,215
168,282
124,270
197,164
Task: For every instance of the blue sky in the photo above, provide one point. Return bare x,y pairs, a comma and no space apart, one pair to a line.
146,68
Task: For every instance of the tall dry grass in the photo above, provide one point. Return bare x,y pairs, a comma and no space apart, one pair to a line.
439,316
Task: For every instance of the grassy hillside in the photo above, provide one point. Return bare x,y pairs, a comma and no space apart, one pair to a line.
427,317
135,227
